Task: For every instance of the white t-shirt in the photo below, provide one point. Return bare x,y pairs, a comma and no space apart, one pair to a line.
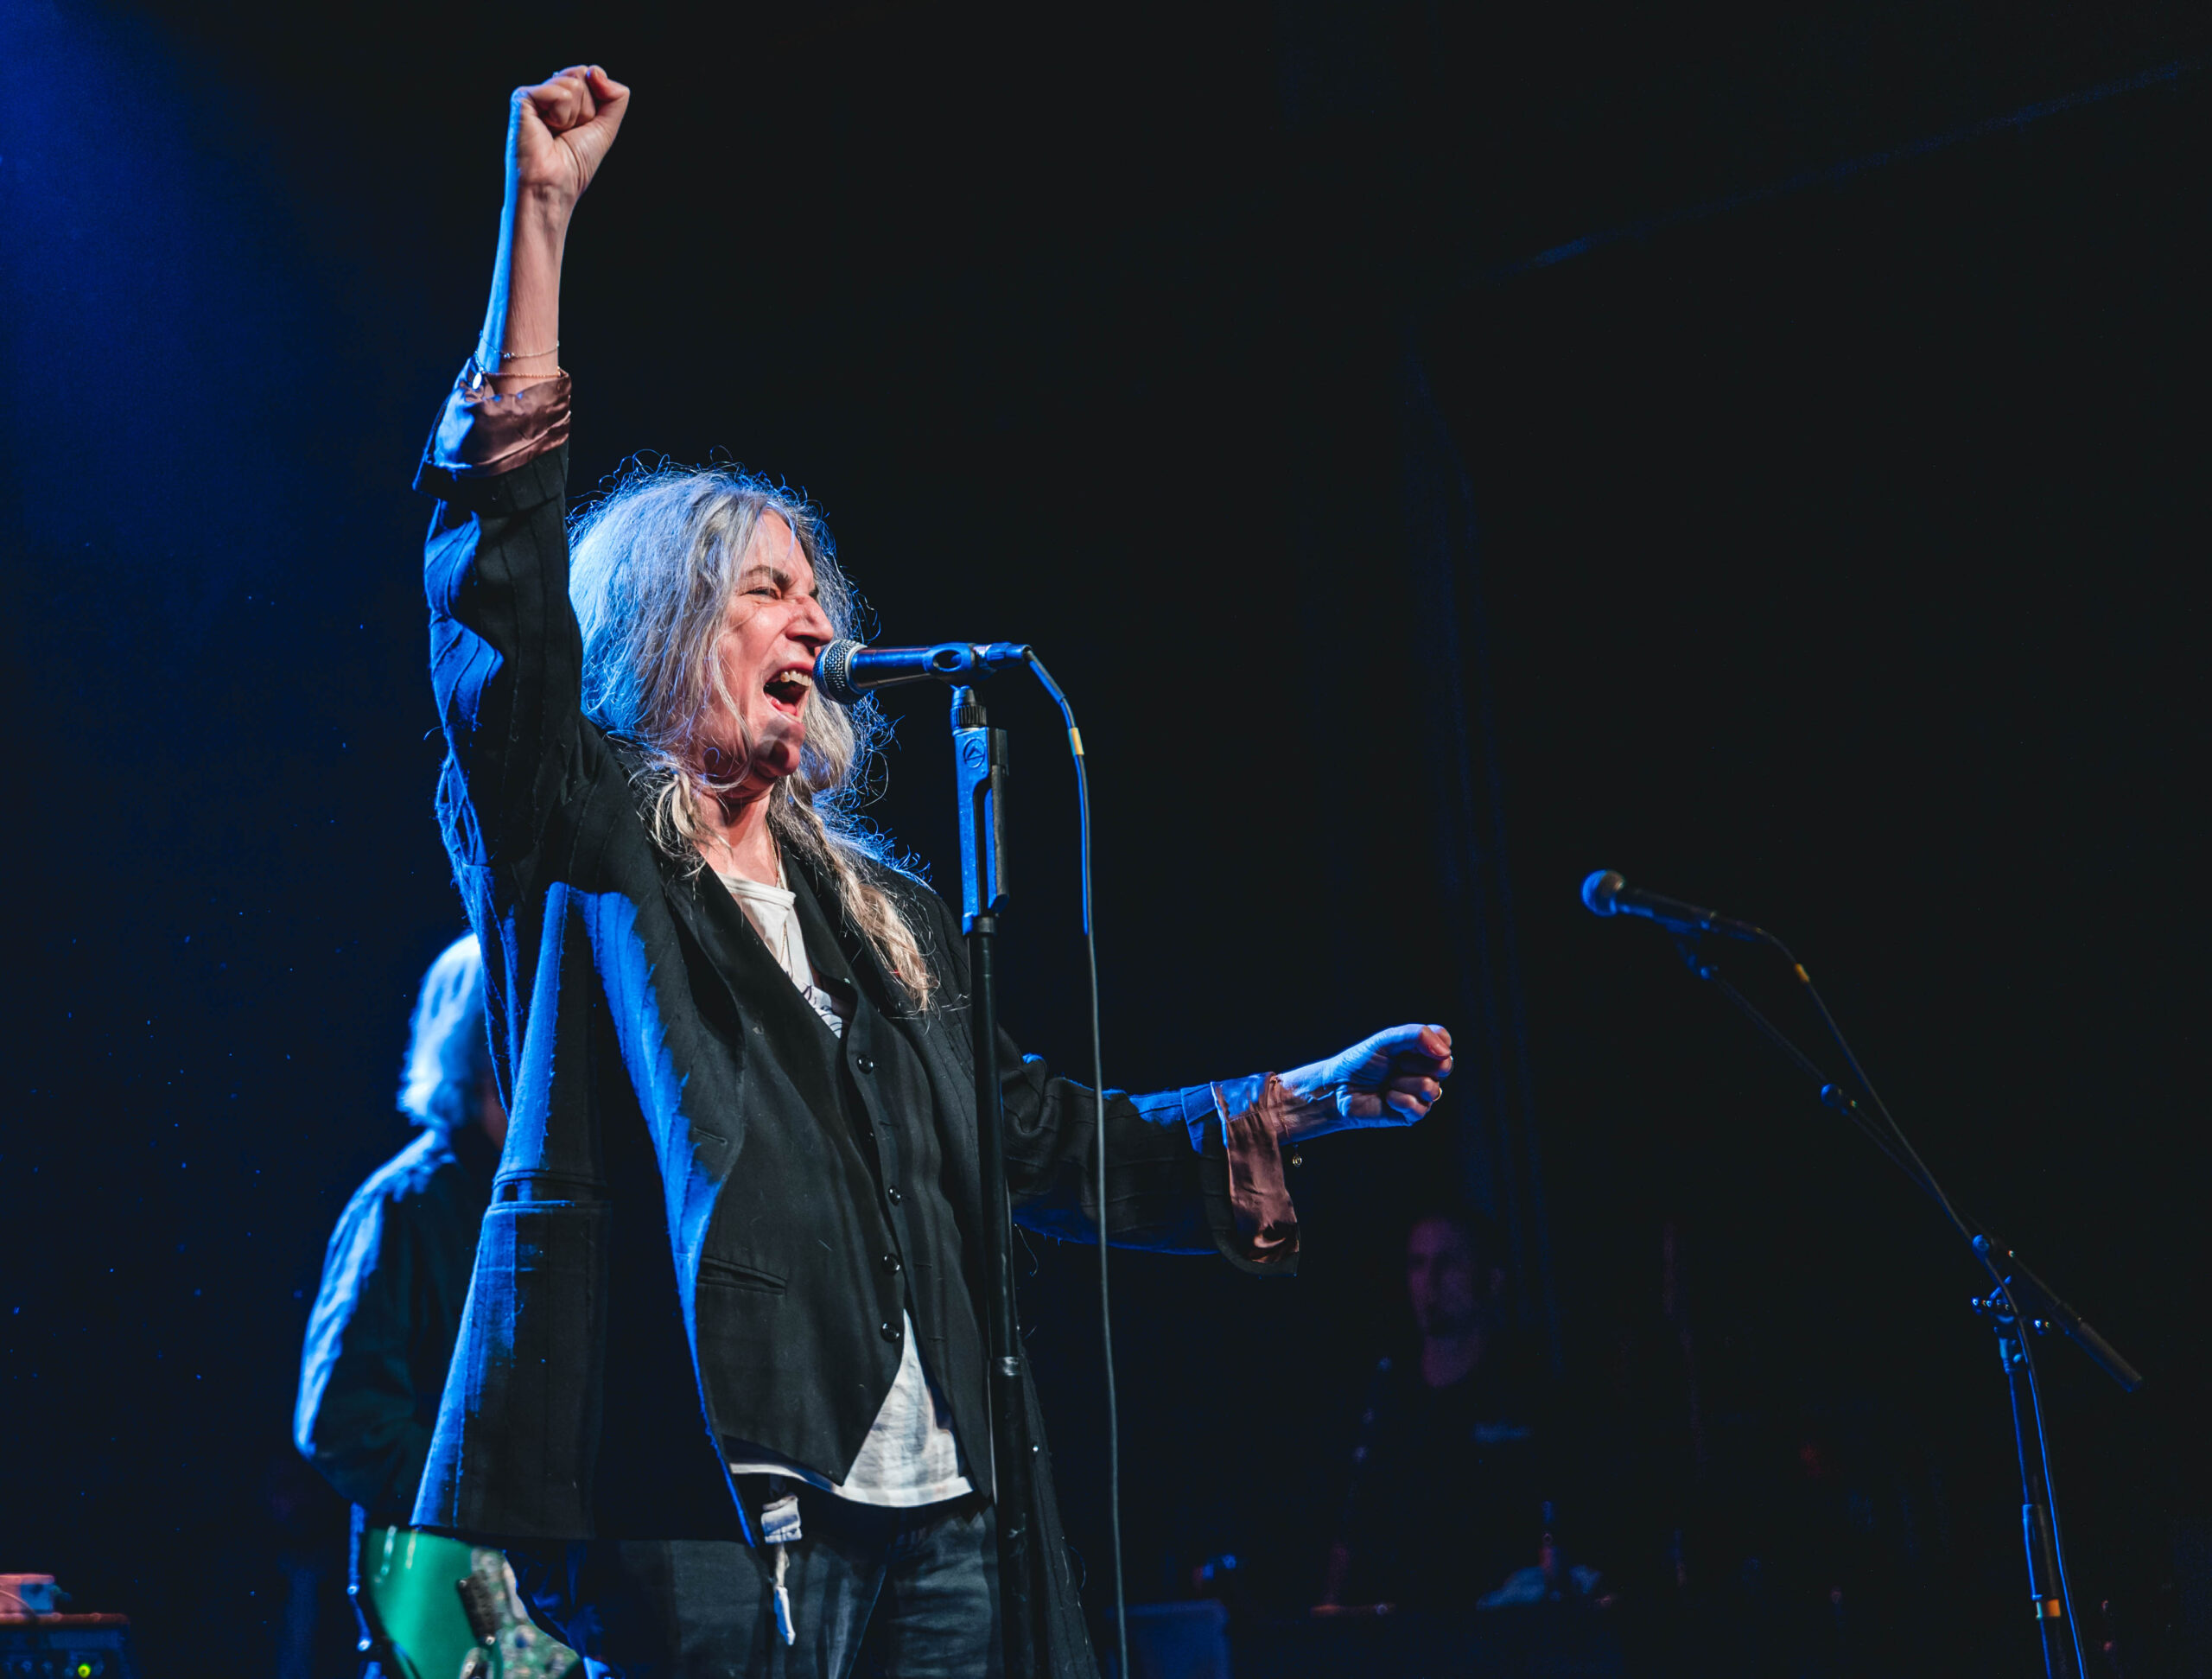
911,1456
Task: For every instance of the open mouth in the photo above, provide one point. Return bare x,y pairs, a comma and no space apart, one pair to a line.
788,690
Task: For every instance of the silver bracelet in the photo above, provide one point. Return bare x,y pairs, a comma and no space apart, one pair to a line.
525,355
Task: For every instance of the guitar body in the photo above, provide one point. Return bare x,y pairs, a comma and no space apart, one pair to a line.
438,1608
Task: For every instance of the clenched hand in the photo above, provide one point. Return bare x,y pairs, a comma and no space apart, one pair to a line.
1392,1078
559,131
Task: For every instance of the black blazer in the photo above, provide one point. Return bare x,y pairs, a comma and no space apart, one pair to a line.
660,1070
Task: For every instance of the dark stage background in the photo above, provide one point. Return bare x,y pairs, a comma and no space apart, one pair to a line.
1830,559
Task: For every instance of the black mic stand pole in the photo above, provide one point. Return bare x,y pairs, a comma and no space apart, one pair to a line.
2045,1584
2019,1302
980,775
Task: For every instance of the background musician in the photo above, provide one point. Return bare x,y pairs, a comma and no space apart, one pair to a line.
394,1278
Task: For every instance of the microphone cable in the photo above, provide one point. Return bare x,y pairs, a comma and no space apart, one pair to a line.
1098,1109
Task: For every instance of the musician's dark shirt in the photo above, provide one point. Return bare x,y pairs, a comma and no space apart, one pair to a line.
1447,1500
383,1329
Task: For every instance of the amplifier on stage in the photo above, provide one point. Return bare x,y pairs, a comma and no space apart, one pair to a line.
36,1642
65,1647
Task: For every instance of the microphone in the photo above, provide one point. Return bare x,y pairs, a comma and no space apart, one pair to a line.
846,671
1607,893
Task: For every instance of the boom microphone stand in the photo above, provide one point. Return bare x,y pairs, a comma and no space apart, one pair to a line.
2018,1306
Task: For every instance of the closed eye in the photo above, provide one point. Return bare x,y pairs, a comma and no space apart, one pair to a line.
775,583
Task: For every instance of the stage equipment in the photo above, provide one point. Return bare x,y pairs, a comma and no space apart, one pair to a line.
979,762
847,672
2019,1305
437,1608
66,1646
1607,893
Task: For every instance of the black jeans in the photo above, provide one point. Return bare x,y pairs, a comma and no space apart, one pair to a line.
902,1593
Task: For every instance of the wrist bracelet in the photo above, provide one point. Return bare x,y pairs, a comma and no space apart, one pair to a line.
474,372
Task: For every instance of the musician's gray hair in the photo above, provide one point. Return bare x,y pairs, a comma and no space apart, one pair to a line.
448,1055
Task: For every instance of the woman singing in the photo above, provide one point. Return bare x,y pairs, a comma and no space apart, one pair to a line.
720,1383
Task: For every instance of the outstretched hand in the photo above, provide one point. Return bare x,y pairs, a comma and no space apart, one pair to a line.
558,132
1392,1078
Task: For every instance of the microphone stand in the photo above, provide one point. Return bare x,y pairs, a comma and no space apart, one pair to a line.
2018,1302
979,758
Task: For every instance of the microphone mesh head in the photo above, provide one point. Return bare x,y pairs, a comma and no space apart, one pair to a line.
1597,891
833,672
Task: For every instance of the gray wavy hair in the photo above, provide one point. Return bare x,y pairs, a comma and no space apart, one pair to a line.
448,1056
653,567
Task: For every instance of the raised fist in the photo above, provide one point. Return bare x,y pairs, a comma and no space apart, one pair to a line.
559,130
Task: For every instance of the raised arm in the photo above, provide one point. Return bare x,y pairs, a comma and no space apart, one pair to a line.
505,654
558,133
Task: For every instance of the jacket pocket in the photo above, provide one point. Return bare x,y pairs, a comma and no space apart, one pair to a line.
727,1274
518,1430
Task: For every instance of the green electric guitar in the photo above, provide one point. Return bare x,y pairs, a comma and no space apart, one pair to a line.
437,1608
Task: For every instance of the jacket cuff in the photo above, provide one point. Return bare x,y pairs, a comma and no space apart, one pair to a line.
1248,1202
1259,1194
494,453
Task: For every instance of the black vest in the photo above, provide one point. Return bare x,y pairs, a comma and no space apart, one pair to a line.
801,1308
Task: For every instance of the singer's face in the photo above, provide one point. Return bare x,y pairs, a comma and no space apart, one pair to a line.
772,629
